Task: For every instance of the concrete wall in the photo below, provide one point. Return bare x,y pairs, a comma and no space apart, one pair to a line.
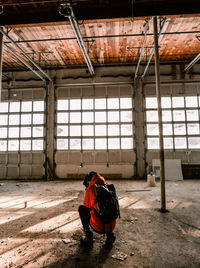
109,82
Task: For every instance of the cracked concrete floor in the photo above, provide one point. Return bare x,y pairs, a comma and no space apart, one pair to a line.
40,227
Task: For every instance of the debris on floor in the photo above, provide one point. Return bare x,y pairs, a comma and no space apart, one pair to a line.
120,256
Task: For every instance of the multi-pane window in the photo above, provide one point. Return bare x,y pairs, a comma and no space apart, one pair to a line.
21,126
180,122
94,124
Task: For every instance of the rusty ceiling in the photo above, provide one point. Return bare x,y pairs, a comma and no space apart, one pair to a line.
110,37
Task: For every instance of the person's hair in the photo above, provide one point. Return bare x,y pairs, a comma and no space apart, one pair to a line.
88,178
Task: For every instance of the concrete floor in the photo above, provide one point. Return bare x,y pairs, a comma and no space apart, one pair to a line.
46,233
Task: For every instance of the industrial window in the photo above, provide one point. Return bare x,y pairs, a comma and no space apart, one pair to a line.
21,126
94,124
180,122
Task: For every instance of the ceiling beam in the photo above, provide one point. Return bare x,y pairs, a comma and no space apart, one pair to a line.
88,10
192,63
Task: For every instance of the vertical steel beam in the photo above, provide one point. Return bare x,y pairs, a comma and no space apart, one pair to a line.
1,61
153,49
161,151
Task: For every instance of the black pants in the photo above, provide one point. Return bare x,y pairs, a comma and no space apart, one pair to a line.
84,213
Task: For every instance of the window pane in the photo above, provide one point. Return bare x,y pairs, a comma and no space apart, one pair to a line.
25,132
179,115
75,130
26,106
37,145
168,143
38,106
75,117
62,117
25,145
192,115
87,104
191,101
194,143
166,102
179,129
178,102
14,119
126,130
38,119
13,132
88,144
14,106
113,103
75,144
13,145
126,143
113,116
100,130
100,104
75,104
62,131
62,144
62,105
152,130
193,129
180,143
125,103
3,132
3,146
37,132
152,143
4,107
88,130
113,130
26,119
100,117
166,116
152,116
151,103
113,143
167,129
3,120
100,144
87,117
126,116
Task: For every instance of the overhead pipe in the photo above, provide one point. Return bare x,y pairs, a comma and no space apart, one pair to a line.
158,94
22,51
24,62
192,63
153,49
66,10
141,51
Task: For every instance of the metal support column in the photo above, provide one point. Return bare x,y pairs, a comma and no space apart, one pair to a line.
139,130
1,61
157,72
50,131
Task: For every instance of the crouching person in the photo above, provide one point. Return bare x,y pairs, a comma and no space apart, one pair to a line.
92,215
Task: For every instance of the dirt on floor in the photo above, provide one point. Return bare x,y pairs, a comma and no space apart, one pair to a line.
40,226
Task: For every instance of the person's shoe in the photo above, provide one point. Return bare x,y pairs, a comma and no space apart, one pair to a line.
110,239
87,240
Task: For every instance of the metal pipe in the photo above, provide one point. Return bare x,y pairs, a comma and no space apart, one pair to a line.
189,66
153,49
161,151
1,61
94,84
100,36
25,63
80,40
141,52
22,51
